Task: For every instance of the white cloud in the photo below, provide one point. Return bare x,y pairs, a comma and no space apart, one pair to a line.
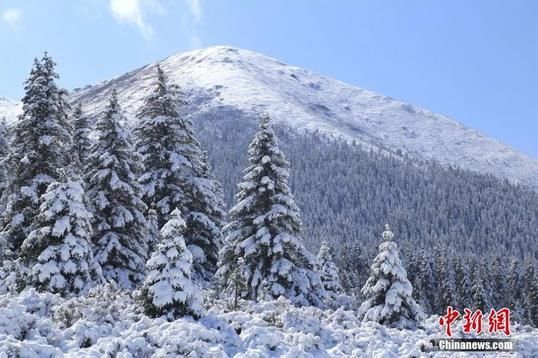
196,14
130,11
195,8
12,16
135,12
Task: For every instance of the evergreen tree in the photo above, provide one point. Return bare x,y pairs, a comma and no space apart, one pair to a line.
40,146
480,296
427,284
236,285
446,279
464,284
354,268
121,233
265,229
328,272
388,291
515,290
4,149
204,218
177,174
81,135
498,283
168,289
530,282
58,250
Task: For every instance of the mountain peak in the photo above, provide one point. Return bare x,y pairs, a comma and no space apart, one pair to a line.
224,79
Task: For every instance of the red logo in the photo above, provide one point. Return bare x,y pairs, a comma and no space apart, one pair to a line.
451,316
473,321
498,321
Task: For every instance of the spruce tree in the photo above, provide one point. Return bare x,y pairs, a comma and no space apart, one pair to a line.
121,233
530,283
236,285
515,290
168,289
58,250
265,230
81,135
427,283
177,174
464,284
446,279
4,150
40,146
481,299
329,272
388,292
353,259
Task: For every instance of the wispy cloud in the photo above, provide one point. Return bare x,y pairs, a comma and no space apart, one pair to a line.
196,14
135,12
130,11
195,8
12,16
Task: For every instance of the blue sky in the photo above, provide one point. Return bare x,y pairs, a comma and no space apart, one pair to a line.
475,61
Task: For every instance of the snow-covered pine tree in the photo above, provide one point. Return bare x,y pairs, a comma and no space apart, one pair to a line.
168,289
353,260
204,218
265,229
329,272
480,295
445,278
81,135
4,145
530,301
427,283
159,140
40,145
236,285
177,174
58,251
464,284
121,233
388,292
4,150
515,290
499,288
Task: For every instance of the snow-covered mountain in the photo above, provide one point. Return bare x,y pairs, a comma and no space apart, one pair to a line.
9,109
222,81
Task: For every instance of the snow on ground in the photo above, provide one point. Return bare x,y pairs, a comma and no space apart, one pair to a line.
110,323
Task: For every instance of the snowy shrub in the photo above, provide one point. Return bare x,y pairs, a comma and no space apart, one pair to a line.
109,323
13,276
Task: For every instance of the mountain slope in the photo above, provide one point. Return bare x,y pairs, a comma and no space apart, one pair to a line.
9,109
223,80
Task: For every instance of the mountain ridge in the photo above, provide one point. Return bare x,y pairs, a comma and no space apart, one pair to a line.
227,79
